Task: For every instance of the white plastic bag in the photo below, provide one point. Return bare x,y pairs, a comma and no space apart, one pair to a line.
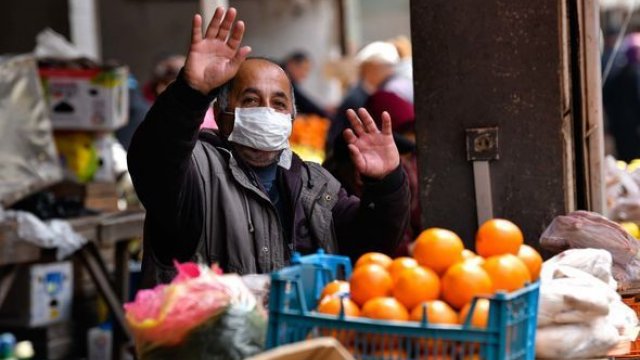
596,262
51,234
51,44
624,319
28,157
563,298
576,341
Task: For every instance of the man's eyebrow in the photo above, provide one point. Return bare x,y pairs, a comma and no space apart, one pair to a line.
251,90
282,94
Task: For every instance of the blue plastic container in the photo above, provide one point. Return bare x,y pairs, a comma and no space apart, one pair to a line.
295,290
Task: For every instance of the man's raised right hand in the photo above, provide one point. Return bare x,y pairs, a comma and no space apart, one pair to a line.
215,58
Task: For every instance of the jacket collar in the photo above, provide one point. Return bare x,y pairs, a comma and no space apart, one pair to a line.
213,137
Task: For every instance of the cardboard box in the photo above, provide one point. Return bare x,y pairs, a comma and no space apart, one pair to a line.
41,295
101,196
87,99
320,348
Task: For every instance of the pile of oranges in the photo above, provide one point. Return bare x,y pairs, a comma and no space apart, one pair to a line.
440,280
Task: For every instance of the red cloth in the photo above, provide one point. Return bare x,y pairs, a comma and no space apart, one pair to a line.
401,111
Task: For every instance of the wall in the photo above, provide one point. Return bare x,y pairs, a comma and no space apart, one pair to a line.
21,21
138,33
275,28
383,19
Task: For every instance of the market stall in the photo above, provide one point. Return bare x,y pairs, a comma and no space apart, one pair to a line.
65,230
509,171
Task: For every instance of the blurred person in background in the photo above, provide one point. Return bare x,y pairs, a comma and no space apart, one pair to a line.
138,107
376,64
298,66
402,82
164,73
621,98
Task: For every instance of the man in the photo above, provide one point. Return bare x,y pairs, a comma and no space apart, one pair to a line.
240,197
298,65
164,73
376,64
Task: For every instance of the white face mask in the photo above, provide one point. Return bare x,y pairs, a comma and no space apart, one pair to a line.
261,128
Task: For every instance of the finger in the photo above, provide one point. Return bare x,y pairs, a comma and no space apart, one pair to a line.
236,35
367,121
386,123
349,136
355,122
196,34
227,23
241,55
214,25
356,156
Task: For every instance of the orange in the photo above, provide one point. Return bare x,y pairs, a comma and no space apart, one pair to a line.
389,354
497,237
532,259
335,287
331,305
438,249
468,254
478,260
438,312
374,258
472,257
462,282
400,264
369,281
480,315
415,285
507,272
386,351
385,308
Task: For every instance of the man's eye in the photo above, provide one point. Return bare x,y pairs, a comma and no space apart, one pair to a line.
249,101
280,105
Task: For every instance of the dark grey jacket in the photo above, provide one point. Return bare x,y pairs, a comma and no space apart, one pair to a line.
204,204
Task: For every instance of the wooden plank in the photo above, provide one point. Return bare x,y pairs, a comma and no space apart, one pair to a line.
92,260
86,226
592,102
567,118
7,276
13,250
121,226
122,291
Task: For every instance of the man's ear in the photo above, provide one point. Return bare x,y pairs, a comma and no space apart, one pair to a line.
224,120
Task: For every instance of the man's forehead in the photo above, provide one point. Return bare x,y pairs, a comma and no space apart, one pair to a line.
256,70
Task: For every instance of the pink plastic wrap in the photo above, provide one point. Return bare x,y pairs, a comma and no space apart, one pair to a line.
201,314
165,314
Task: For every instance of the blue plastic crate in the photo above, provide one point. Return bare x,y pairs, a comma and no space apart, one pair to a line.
510,333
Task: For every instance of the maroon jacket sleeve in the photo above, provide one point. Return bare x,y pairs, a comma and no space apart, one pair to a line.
378,220
163,173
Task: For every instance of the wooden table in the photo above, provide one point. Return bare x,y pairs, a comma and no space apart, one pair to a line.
112,229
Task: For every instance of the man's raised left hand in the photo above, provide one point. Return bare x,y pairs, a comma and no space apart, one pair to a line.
373,151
